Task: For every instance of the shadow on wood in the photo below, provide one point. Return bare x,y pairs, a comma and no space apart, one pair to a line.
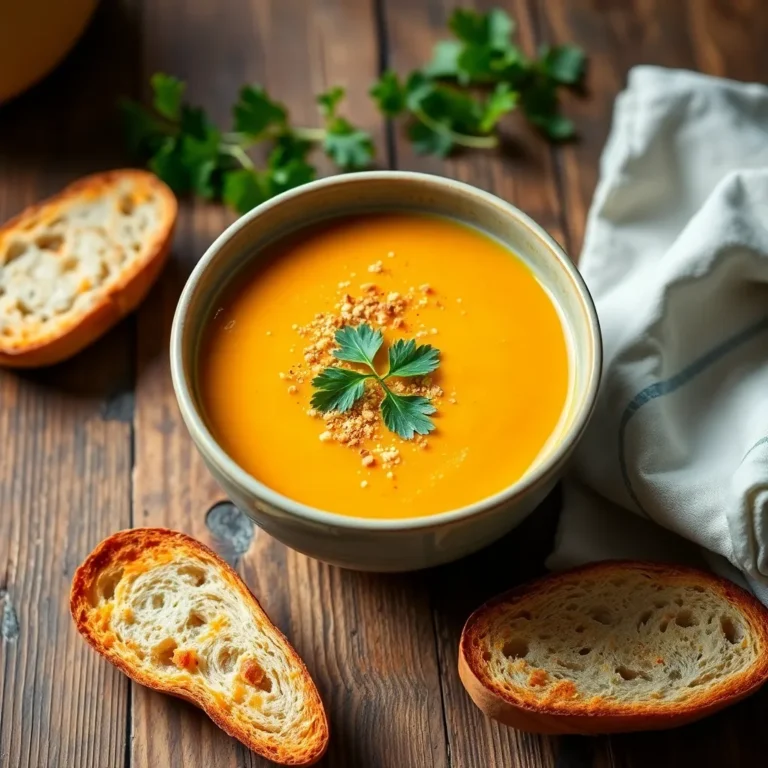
85,88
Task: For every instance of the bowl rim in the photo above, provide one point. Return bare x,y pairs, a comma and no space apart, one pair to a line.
211,450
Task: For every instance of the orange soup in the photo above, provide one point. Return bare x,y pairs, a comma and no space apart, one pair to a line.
497,395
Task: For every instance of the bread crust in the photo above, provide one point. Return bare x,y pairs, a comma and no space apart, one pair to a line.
125,547
596,716
116,300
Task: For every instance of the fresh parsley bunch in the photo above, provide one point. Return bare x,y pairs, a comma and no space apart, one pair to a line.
457,100
191,154
473,81
338,389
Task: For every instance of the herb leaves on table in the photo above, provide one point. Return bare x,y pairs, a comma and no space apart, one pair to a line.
338,389
190,154
455,101
471,82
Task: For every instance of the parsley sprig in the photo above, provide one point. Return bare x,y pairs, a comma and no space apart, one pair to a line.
338,389
190,154
456,101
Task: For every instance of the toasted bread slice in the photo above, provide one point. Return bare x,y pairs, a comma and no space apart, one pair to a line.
613,647
175,617
73,265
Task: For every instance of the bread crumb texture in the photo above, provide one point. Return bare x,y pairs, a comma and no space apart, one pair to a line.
613,638
175,617
59,259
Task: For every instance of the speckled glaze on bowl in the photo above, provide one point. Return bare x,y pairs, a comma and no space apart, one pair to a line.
395,544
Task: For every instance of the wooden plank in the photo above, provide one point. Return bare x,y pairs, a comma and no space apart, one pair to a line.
521,172
617,37
368,640
721,39
65,462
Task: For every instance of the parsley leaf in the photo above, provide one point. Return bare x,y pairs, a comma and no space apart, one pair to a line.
254,112
563,63
501,101
427,141
348,147
483,65
556,127
329,101
448,106
243,190
358,344
289,176
199,151
389,94
167,95
338,389
493,28
448,116
540,105
445,59
289,147
406,359
168,164
407,414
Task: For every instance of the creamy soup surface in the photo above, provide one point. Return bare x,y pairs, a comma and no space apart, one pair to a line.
499,391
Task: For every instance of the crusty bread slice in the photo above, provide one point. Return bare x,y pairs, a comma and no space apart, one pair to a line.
73,265
612,647
175,617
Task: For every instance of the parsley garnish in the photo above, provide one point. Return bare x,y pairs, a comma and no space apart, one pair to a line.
338,389
456,101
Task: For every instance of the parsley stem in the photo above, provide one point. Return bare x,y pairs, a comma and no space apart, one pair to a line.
462,139
375,374
237,138
310,134
244,140
236,151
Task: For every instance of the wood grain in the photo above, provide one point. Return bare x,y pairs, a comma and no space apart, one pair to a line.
65,459
616,36
368,640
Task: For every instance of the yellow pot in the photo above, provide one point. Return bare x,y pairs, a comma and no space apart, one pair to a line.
34,36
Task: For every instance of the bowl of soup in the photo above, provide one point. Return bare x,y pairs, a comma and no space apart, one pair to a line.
386,370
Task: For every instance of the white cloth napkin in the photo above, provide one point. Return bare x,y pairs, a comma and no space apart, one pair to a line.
676,258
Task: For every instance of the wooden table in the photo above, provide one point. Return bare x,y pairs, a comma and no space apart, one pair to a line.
97,444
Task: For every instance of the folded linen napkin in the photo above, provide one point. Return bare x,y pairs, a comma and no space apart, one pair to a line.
676,258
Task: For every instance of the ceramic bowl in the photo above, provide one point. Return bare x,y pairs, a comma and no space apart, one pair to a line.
396,544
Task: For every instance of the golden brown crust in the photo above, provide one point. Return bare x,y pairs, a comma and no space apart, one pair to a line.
115,301
523,710
125,547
